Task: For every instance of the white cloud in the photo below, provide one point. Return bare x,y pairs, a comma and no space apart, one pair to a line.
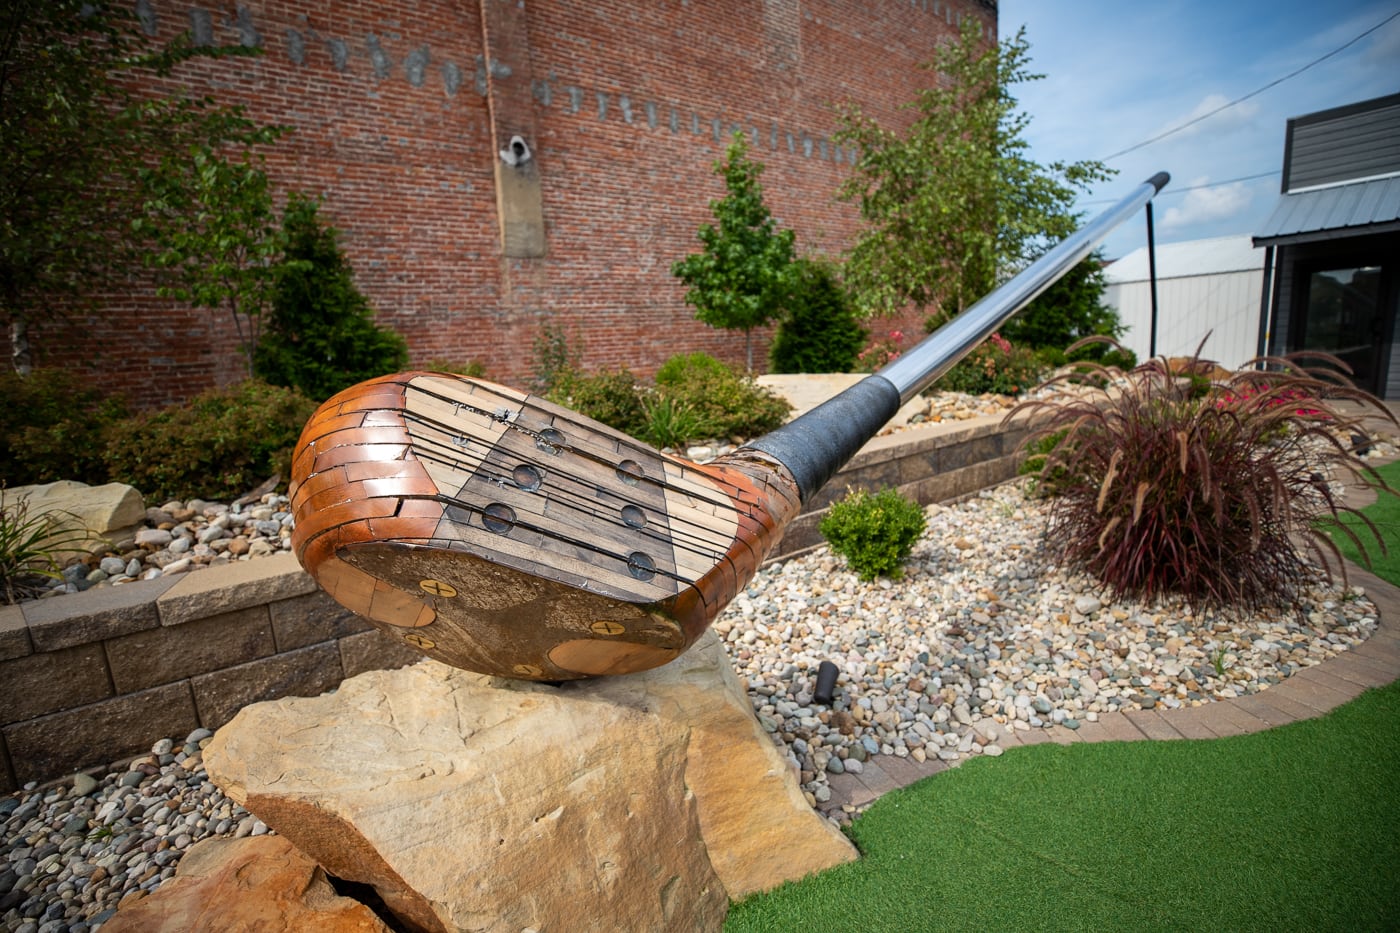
1384,48
1205,205
1240,115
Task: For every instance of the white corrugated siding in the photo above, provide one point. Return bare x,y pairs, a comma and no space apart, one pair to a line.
1223,302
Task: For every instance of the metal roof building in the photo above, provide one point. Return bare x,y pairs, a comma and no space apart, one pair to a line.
1332,244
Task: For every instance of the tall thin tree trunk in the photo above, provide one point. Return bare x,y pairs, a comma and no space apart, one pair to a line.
20,356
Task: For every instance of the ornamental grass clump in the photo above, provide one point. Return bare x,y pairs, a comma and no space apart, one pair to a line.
1215,493
875,533
31,546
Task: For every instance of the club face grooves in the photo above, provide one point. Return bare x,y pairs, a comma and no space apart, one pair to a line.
503,534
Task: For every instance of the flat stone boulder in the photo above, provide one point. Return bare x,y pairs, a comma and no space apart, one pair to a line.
249,885
105,514
477,803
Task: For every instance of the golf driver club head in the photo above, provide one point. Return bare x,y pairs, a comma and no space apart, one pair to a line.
500,533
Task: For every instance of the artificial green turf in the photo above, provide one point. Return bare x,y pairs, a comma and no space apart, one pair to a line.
1385,514
1296,828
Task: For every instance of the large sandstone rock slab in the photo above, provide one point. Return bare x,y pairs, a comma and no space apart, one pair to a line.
476,803
758,827
105,513
247,885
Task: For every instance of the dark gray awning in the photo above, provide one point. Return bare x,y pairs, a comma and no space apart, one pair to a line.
1355,209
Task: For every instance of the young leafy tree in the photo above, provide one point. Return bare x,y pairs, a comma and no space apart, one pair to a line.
74,139
216,236
320,335
954,203
740,279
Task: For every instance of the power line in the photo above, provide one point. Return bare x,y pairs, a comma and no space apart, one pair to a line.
1239,100
1170,190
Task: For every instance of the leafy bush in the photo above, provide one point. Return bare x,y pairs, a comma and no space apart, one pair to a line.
725,403
218,445
686,366
880,352
1215,496
1051,357
29,545
994,366
820,332
875,533
50,427
700,398
319,336
1119,358
613,397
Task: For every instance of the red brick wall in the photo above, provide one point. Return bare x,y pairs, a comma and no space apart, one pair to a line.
396,136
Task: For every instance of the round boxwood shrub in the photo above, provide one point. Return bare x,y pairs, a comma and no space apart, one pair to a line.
875,533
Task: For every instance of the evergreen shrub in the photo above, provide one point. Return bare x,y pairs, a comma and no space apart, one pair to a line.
820,332
320,336
51,426
875,533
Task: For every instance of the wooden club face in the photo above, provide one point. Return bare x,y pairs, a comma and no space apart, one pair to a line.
503,534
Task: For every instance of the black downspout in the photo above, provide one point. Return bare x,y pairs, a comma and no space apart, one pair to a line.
1152,281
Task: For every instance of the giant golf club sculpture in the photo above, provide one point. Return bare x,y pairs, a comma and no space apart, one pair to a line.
500,533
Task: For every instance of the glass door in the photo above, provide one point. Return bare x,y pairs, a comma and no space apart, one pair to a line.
1343,316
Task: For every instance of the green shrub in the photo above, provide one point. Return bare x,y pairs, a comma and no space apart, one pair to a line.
725,403
319,336
1119,357
612,396
701,398
1051,357
875,533
1216,497
217,446
686,366
1070,310
994,366
51,426
819,333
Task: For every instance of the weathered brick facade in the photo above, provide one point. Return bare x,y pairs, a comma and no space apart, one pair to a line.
625,105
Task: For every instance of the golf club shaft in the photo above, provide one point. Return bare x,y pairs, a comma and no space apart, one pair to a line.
817,444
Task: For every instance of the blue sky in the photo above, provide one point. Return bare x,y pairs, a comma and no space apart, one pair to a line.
1118,73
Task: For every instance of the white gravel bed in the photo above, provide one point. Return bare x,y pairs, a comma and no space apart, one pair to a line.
983,635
